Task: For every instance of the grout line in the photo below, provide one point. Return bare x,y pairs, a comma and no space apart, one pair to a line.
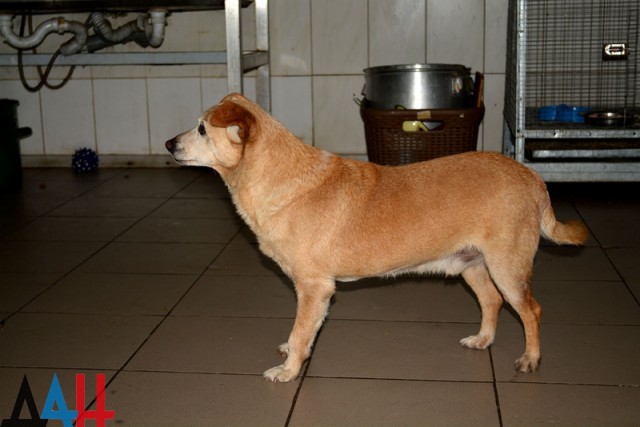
495,387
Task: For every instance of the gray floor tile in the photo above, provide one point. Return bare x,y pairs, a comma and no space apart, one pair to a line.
71,229
185,230
17,205
239,296
101,207
617,233
197,208
155,258
113,293
572,354
155,399
10,225
17,289
145,183
45,187
412,299
626,261
358,402
611,210
213,345
573,263
242,259
586,302
71,340
634,287
44,257
208,185
568,405
398,350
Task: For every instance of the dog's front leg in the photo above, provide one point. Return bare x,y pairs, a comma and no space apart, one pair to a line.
313,302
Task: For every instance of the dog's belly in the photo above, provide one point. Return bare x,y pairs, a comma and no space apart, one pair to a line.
451,265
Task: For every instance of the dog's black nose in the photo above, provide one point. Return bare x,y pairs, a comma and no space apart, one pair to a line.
171,145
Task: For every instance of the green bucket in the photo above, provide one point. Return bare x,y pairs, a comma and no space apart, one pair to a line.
10,136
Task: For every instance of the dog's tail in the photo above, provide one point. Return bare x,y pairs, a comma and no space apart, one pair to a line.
568,233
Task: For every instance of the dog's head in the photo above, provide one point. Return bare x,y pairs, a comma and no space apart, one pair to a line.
218,140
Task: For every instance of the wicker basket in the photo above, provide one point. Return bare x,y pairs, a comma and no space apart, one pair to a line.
397,137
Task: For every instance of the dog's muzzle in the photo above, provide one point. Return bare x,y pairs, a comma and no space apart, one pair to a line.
171,145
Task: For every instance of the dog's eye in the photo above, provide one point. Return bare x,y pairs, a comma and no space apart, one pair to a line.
201,129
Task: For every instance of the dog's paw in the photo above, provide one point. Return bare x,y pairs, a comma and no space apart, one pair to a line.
477,341
280,374
283,349
526,363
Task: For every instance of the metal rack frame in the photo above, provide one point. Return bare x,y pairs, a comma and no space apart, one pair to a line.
238,62
519,127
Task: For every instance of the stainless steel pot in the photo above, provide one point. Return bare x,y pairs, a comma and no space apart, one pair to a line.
418,86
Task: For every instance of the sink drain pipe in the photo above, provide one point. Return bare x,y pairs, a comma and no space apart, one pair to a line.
59,25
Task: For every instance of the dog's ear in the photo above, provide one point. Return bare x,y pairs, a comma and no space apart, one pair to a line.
238,120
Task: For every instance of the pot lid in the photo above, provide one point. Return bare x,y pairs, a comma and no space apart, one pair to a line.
417,67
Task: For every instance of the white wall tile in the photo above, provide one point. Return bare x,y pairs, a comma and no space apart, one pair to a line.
493,118
213,90
339,36
121,116
396,32
336,118
216,88
28,115
455,32
291,105
174,107
290,37
495,50
67,118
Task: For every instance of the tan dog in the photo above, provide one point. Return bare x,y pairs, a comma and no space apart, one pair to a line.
324,218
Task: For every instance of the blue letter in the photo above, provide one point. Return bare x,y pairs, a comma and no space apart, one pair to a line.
55,397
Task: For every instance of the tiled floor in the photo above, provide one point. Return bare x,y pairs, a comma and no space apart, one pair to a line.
149,277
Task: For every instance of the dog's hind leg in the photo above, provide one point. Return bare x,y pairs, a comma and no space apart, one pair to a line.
511,276
313,303
478,279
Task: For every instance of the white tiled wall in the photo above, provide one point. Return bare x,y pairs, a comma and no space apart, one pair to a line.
318,51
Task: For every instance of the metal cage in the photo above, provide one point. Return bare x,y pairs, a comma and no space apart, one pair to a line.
566,54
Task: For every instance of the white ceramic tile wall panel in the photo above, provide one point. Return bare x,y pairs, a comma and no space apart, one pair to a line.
174,107
67,118
118,72
28,114
248,16
493,118
181,33
396,32
495,50
121,116
213,90
290,37
210,30
455,32
339,36
291,105
336,118
216,88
